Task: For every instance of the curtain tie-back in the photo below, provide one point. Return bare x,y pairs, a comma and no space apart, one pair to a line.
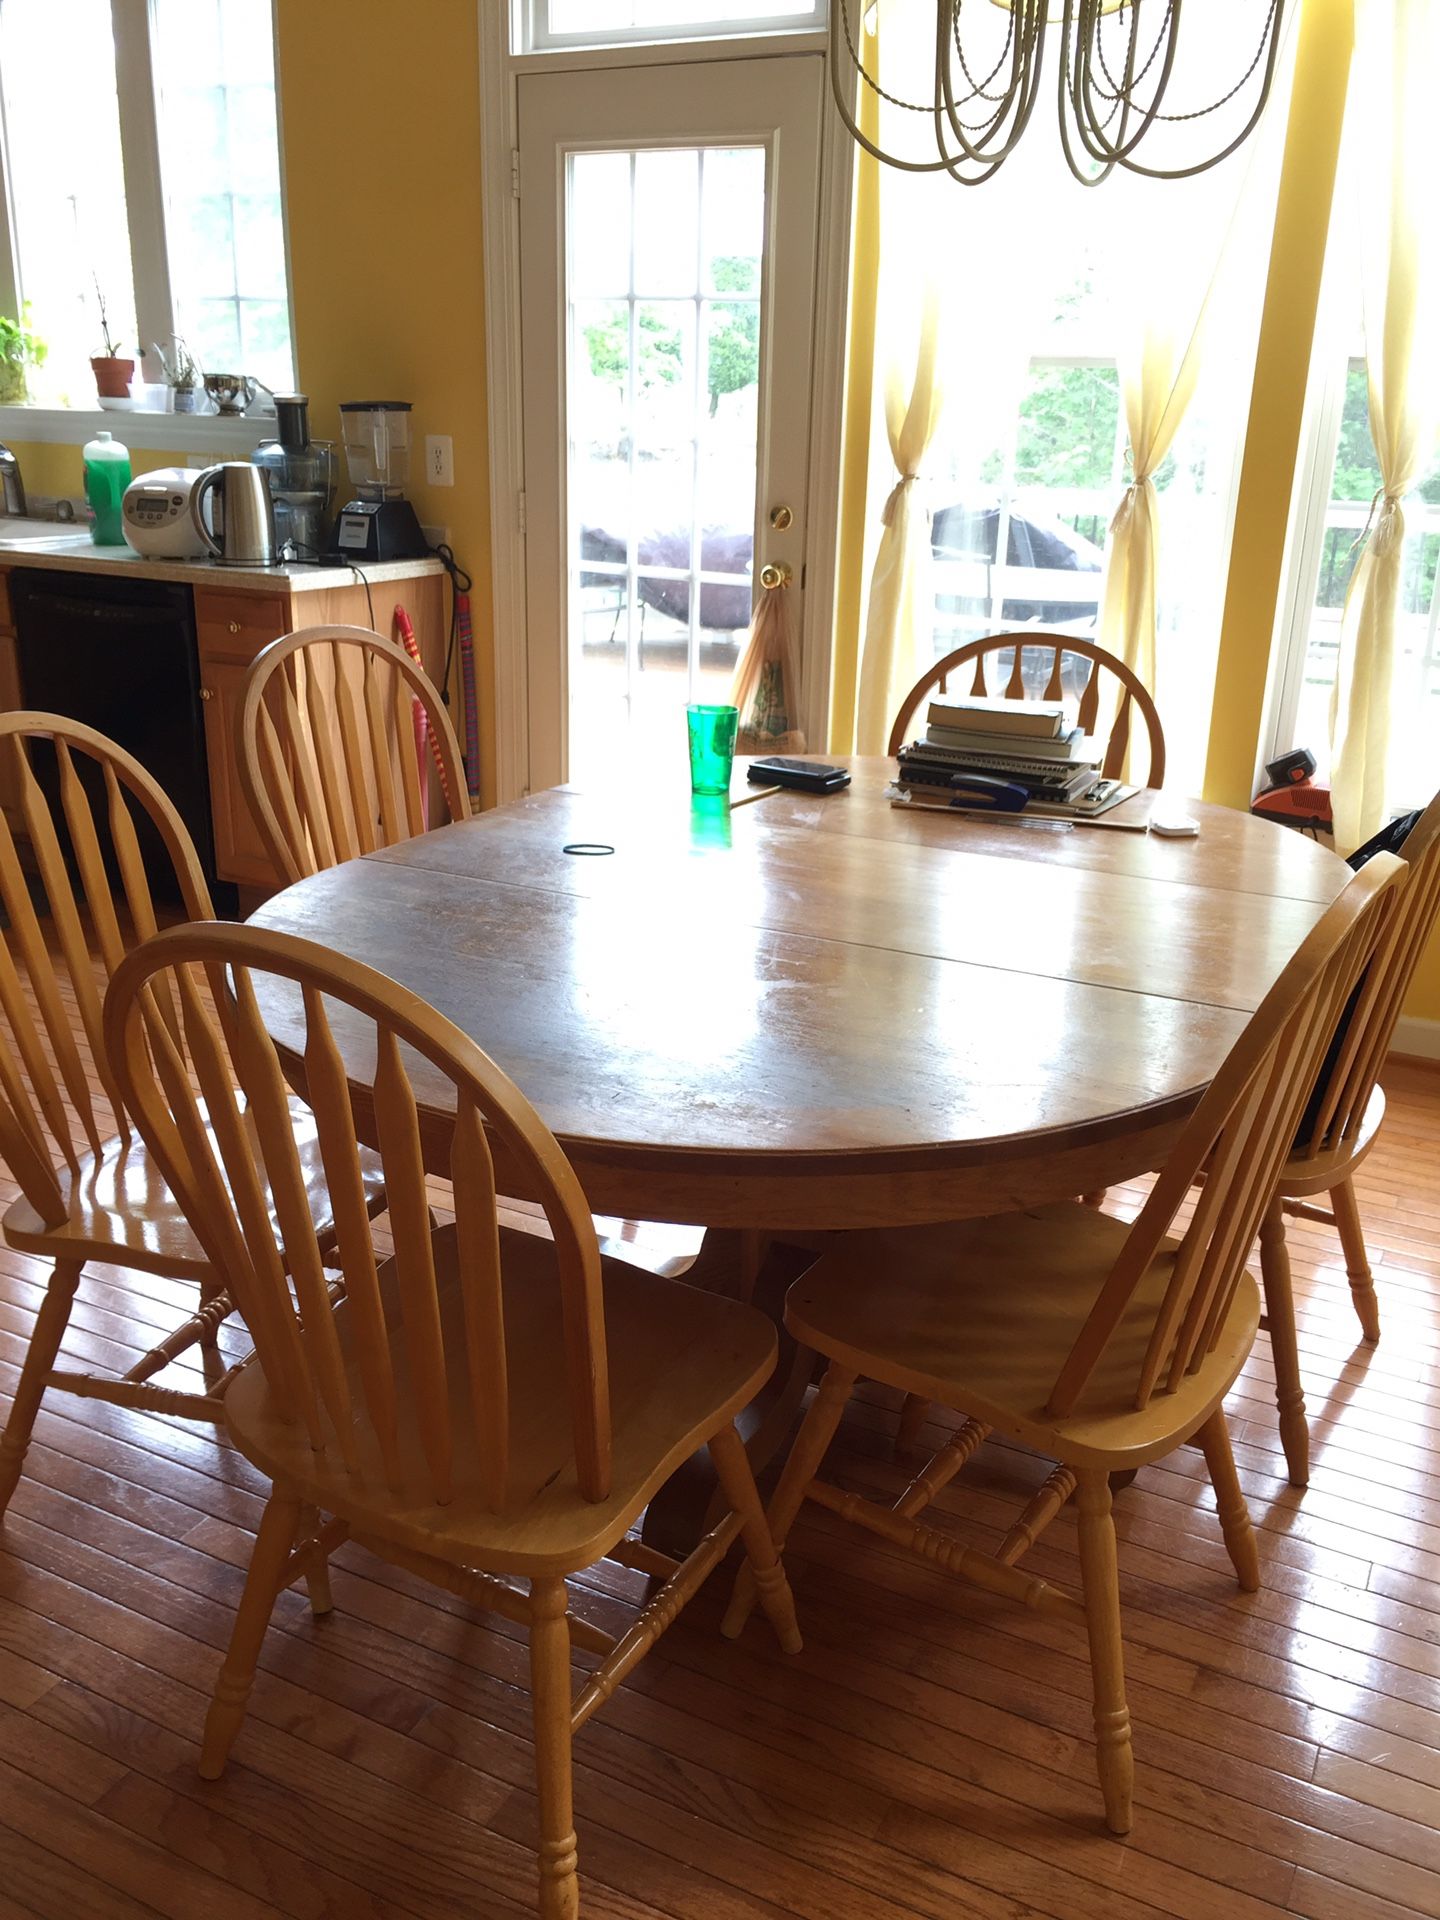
1388,503
892,499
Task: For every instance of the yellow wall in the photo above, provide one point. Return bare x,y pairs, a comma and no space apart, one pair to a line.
380,130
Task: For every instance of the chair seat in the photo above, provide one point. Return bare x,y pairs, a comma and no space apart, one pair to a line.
121,1211
681,1362
1317,1173
932,1310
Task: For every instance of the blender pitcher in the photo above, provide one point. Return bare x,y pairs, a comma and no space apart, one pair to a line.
380,523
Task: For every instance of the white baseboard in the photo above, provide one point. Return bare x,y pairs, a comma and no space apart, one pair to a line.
1418,1038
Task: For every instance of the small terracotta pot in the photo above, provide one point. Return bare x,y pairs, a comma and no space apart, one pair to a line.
112,376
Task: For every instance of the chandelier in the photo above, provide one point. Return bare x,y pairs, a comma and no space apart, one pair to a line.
1115,64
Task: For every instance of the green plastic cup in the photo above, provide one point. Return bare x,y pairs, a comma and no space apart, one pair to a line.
712,747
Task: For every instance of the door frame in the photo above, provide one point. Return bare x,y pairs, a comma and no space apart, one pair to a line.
499,127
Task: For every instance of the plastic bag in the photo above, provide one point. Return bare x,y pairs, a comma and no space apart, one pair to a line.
766,687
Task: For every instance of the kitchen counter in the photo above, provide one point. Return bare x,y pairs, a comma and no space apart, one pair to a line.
236,612
44,543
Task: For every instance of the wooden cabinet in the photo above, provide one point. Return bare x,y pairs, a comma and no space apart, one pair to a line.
234,621
9,687
230,629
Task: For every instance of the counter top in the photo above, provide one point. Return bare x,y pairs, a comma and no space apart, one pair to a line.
35,543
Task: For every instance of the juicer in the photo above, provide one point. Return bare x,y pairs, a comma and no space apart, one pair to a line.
380,524
301,473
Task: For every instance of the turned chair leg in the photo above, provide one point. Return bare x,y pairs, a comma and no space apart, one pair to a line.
317,1581
1284,1347
1357,1260
1100,1573
551,1705
737,1480
50,1325
816,1432
1214,1438
278,1526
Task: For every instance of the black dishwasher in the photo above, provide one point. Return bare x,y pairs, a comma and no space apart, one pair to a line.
120,656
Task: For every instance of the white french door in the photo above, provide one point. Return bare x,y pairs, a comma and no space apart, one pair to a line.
668,227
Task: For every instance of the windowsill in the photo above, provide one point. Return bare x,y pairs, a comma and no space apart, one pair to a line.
182,432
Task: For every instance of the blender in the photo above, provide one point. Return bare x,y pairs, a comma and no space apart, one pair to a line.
301,474
380,524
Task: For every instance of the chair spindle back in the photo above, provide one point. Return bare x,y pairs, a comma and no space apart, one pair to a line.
243,1192
330,762
1130,691
55,1078
1239,1136
1370,1026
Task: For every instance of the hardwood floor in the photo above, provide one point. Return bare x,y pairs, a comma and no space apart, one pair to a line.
928,1754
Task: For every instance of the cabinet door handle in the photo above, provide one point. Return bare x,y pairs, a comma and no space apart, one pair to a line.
207,693
234,626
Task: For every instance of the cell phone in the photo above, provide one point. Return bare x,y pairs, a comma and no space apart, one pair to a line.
808,775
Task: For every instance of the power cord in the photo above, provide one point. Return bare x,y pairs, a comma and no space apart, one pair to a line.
303,556
460,582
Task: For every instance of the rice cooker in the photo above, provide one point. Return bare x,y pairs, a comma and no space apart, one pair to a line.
155,515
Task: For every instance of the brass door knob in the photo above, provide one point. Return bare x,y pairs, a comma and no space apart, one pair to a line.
207,693
774,574
234,626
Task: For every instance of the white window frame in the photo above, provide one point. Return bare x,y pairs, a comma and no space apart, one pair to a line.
149,254
530,33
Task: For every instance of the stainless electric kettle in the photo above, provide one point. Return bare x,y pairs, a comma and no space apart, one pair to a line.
244,516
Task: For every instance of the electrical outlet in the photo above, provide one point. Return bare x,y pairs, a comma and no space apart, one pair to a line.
439,460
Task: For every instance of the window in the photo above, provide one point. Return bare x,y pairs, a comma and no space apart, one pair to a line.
142,167
64,169
220,172
1340,476
1031,458
548,24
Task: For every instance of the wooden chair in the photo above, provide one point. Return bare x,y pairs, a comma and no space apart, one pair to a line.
1130,691
1339,1128
85,1196
329,762
485,1404
1101,1345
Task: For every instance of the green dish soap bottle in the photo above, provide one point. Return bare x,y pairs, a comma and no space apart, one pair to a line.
107,474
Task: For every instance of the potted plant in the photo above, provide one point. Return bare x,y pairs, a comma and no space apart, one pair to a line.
112,374
183,374
20,350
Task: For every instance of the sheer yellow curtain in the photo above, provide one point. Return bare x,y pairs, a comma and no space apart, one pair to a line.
1397,66
901,597
1157,384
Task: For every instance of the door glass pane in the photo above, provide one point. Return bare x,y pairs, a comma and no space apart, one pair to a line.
558,20
67,187
220,168
663,325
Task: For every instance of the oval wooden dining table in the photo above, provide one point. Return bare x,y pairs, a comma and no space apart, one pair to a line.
813,1012
822,1011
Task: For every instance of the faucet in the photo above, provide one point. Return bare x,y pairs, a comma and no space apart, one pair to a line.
14,486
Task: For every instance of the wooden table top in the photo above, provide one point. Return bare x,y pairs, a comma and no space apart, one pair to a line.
822,1010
